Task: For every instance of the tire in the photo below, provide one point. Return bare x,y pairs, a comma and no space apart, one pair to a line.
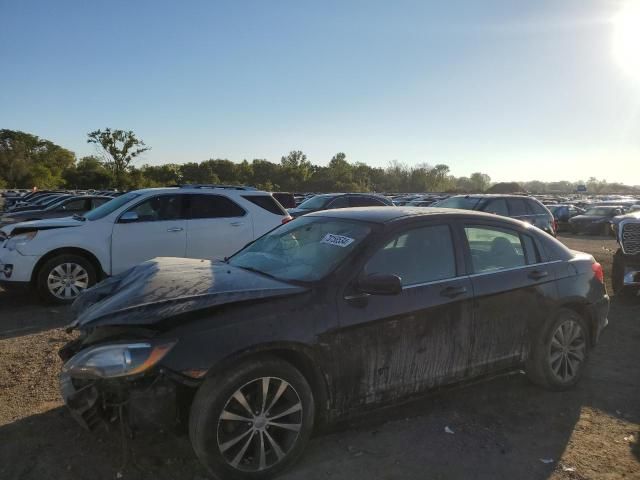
606,230
230,448
546,365
77,270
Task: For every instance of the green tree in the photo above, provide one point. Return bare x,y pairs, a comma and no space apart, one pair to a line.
118,148
480,182
27,160
89,172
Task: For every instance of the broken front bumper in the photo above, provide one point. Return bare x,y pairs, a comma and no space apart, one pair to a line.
148,404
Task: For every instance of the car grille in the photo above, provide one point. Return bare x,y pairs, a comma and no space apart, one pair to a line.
631,238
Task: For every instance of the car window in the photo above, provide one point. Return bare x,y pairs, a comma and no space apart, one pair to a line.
497,206
214,206
339,202
159,208
517,207
76,205
362,201
96,202
494,249
536,208
266,202
417,256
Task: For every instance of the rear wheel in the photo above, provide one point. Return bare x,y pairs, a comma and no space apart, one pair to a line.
62,278
559,352
253,422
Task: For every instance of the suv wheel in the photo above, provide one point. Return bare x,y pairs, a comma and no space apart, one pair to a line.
62,278
253,422
558,354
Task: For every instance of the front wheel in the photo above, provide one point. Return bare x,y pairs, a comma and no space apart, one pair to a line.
559,353
252,422
62,278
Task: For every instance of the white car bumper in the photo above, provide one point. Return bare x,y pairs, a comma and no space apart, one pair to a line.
15,267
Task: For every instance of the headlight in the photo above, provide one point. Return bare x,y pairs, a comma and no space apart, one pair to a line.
117,360
18,240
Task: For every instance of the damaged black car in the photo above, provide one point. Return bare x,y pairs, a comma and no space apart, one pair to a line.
324,318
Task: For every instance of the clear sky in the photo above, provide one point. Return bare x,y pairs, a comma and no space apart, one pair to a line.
520,90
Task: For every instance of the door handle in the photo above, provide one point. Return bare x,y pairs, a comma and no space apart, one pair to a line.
538,274
175,229
236,224
453,292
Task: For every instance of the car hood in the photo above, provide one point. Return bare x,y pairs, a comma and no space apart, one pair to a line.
40,225
628,216
165,287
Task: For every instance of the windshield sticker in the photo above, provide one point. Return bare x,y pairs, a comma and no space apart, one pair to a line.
337,240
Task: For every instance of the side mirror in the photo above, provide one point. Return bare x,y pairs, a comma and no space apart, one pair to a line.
380,284
128,217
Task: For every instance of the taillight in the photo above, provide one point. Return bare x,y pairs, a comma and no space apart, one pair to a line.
597,271
286,219
555,225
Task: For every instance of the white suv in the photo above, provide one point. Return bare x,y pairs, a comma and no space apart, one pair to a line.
61,257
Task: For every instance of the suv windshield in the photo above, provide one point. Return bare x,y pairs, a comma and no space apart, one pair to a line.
464,203
305,250
318,201
110,206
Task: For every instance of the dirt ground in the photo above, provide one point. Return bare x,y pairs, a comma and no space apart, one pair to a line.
504,428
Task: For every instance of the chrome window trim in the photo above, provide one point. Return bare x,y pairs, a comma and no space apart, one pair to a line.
492,272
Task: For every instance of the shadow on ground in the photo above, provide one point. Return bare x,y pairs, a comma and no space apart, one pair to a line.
21,313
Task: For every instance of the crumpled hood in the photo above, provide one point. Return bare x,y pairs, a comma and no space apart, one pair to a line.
164,287
42,225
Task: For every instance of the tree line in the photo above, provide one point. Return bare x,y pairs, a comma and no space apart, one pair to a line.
28,161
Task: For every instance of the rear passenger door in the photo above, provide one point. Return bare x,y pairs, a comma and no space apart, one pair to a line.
513,291
216,227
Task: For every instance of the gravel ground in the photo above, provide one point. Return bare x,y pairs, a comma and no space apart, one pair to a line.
503,428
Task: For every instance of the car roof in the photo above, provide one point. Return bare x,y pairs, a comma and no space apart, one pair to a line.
391,214
495,195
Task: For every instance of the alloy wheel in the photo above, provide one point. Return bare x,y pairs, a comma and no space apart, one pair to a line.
567,350
259,424
67,280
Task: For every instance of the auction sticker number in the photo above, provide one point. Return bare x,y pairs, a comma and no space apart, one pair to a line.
337,240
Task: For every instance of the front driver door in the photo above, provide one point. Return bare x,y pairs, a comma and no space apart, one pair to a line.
159,231
392,346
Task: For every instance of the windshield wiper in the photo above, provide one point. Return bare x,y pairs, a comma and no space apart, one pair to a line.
78,217
255,270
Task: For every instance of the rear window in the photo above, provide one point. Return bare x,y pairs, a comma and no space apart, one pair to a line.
214,206
362,201
266,202
464,203
517,207
537,208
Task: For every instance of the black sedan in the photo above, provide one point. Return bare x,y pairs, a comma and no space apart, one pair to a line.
330,201
324,317
595,221
65,206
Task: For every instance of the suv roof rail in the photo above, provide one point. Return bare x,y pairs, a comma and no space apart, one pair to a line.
204,185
